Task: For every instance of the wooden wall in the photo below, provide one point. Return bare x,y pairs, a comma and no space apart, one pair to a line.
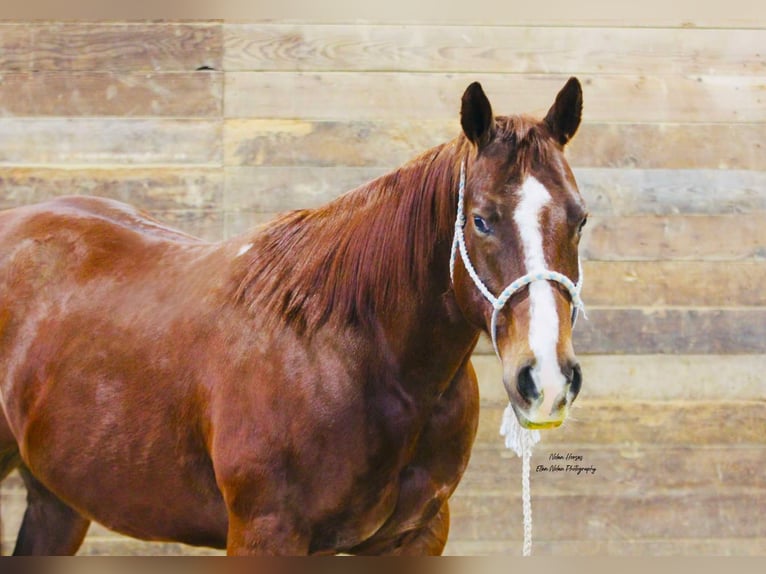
215,126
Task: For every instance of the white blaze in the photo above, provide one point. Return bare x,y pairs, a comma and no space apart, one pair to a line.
543,320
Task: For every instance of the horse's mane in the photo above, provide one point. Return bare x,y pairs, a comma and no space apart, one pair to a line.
360,254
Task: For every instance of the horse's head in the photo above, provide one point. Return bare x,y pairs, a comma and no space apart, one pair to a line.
520,220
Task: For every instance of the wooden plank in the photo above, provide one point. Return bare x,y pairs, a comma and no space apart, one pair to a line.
659,423
669,146
126,47
371,143
388,95
652,547
205,224
630,471
607,237
307,143
270,190
151,189
168,94
661,330
691,238
599,517
671,283
15,47
654,13
671,192
495,49
647,377
109,141
607,192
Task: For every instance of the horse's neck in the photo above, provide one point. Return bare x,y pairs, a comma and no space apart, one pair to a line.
426,329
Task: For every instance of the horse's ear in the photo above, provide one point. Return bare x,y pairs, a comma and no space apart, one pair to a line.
476,116
563,118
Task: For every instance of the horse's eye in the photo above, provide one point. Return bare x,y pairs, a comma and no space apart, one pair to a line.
481,225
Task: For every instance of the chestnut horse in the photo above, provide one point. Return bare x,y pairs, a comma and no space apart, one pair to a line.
305,388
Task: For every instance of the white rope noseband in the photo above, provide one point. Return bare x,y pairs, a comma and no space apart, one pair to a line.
518,439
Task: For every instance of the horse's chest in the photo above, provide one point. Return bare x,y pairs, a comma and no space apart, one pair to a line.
434,462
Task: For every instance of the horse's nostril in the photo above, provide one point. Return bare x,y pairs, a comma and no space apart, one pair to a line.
575,382
526,385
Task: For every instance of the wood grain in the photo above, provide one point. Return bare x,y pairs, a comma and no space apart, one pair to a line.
395,95
679,423
495,49
607,192
683,238
150,189
15,47
118,46
597,517
621,192
669,283
645,549
620,472
390,143
647,377
660,330
193,94
121,142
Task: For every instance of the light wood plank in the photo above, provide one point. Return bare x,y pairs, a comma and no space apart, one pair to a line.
608,517
15,47
150,189
647,549
109,141
193,94
661,330
618,192
618,472
692,238
118,46
494,49
688,424
647,377
271,190
607,192
307,143
389,95
669,283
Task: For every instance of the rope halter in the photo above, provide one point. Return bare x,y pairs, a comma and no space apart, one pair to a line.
518,439
458,245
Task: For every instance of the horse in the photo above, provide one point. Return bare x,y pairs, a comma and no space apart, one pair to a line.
304,388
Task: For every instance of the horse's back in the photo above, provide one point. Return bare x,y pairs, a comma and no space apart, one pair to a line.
75,211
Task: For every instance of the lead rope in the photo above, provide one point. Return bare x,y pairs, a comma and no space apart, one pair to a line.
521,441
518,439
